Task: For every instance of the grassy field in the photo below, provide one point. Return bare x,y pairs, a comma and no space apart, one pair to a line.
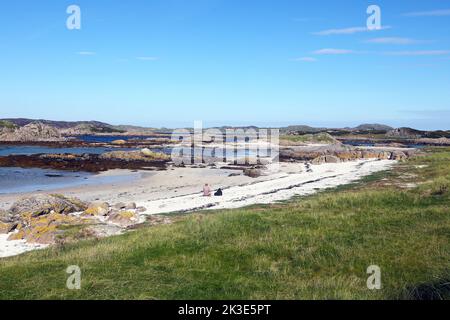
307,138
317,247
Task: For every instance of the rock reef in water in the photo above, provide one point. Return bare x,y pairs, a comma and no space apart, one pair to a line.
87,162
340,153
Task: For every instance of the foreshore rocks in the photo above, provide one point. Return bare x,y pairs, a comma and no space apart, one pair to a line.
6,228
97,209
45,204
55,219
405,133
7,222
45,229
6,216
145,155
252,172
38,219
326,159
86,162
124,218
335,154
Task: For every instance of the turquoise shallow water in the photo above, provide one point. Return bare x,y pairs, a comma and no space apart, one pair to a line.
19,180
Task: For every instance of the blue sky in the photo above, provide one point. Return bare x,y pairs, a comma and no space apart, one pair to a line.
277,62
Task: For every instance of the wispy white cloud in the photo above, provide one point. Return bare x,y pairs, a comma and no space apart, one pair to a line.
305,59
393,40
330,51
147,58
351,30
86,53
419,53
432,13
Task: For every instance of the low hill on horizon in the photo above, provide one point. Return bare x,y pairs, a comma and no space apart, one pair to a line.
64,126
98,127
373,127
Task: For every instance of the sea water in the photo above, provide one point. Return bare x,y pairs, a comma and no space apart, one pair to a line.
19,180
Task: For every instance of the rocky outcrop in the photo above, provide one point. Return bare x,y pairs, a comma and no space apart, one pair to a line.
45,229
6,228
123,218
45,204
97,209
398,155
405,133
342,153
145,155
86,162
131,206
39,219
31,132
90,127
252,172
7,222
326,159
6,216
50,219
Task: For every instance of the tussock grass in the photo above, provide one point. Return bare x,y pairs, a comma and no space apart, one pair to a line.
317,247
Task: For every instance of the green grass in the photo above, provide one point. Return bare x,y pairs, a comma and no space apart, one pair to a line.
308,138
317,247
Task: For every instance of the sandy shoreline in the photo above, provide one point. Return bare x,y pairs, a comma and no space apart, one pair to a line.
168,187
179,189
291,181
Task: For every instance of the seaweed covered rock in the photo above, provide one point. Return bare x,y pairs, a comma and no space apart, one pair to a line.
154,155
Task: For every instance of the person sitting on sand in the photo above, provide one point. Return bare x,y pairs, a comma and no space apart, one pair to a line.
206,190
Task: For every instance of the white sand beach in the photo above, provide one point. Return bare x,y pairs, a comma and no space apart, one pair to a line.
292,180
